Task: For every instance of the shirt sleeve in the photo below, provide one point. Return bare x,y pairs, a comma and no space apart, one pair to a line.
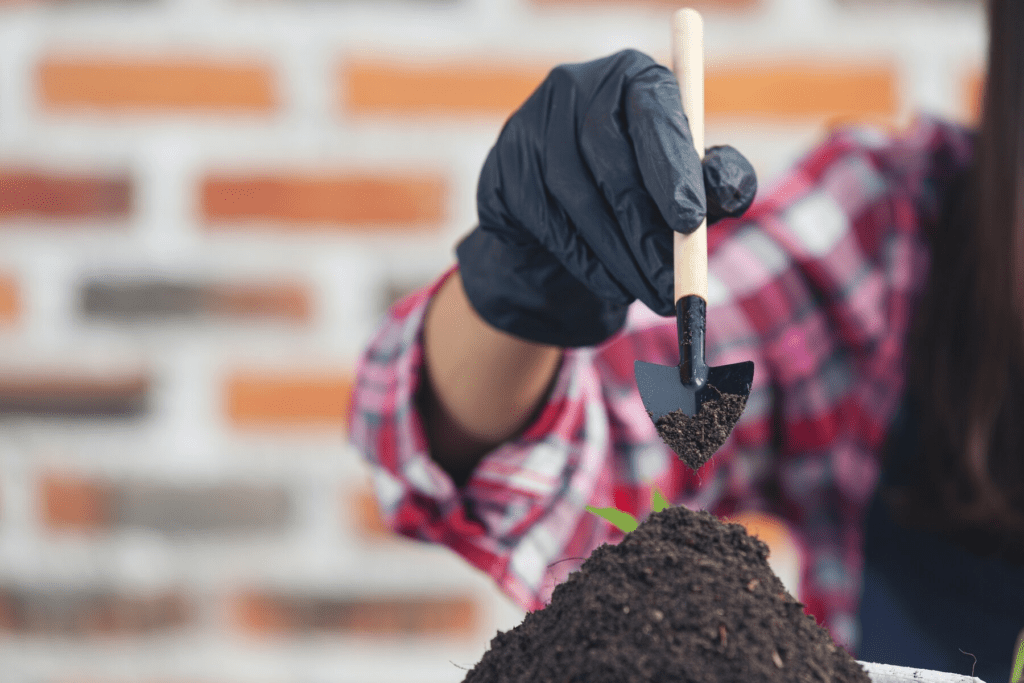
523,506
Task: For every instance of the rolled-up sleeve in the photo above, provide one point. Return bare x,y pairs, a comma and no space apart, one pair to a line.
523,507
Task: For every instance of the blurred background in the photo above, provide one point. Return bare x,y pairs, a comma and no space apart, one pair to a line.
206,206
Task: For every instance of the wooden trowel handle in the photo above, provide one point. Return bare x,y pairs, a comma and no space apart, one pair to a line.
690,252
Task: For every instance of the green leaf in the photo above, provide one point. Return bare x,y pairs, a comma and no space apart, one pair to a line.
658,502
622,520
1017,675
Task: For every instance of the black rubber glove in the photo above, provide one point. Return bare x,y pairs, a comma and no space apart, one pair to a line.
579,197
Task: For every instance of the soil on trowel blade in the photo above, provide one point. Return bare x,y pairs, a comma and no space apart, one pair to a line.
684,597
696,438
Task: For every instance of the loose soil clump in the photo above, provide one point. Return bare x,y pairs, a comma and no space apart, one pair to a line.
684,597
696,438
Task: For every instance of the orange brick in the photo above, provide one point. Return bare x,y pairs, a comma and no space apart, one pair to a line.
802,90
424,616
973,93
380,86
69,503
255,400
268,615
10,300
448,616
31,194
258,614
153,85
339,201
361,507
289,302
784,90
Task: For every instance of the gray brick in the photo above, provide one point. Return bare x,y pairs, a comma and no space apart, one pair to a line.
57,611
177,510
74,397
133,300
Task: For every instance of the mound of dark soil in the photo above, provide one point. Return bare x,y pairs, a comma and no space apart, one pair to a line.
684,597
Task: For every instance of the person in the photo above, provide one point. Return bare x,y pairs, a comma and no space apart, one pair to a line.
878,287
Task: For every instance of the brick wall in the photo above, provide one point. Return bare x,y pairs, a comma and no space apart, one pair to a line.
205,206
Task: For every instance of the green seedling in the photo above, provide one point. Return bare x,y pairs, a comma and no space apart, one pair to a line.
1018,661
624,520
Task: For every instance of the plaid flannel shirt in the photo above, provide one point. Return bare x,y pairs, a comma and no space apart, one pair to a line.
815,285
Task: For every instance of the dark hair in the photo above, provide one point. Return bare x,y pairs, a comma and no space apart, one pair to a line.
966,347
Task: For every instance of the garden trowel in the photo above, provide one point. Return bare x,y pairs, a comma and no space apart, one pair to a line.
669,390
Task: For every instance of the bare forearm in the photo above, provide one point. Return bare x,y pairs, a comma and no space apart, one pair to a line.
482,385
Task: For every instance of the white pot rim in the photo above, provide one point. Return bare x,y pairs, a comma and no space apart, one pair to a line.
887,673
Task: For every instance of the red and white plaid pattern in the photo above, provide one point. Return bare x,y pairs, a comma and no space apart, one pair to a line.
815,285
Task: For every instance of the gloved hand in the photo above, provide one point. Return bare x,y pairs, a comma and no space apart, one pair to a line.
578,199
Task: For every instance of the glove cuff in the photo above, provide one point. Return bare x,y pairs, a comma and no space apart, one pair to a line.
523,290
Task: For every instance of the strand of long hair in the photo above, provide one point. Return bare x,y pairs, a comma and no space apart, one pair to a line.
966,347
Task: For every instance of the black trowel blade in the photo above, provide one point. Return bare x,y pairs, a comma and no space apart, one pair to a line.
663,392
735,378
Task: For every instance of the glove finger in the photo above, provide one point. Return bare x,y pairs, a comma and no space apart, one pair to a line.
730,183
623,229
660,133
639,250
599,187
548,191
584,234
